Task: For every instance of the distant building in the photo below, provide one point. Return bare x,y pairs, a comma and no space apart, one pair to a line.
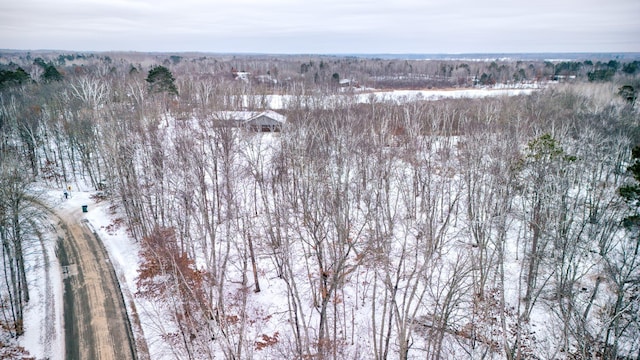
240,75
348,83
262,121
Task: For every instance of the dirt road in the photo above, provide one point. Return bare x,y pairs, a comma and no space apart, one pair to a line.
96,321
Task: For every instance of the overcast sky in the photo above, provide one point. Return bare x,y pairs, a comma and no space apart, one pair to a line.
323,26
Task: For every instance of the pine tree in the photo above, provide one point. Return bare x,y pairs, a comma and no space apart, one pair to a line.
51,73
8,77
161,80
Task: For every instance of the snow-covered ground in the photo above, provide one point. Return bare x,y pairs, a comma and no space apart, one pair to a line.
278,102
268,310
44,334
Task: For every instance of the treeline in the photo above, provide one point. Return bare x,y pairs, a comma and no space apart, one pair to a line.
282,72
457,228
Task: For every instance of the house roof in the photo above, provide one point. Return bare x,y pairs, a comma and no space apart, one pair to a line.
246,116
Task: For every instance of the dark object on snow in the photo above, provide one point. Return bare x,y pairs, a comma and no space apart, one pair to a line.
85,208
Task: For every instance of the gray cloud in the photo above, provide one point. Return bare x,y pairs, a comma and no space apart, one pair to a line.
330,26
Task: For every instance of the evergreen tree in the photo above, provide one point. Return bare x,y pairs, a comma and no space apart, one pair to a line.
8,77
50,73
160,80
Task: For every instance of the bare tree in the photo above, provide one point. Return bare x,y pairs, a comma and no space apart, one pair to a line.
14,230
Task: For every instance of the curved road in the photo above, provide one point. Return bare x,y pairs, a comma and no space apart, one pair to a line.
95,316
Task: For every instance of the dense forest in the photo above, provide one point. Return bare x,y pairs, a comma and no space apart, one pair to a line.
492,228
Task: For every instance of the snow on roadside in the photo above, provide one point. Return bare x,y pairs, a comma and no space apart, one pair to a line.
43,315
108,224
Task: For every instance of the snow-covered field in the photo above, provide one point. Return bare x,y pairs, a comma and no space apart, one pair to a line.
277,102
